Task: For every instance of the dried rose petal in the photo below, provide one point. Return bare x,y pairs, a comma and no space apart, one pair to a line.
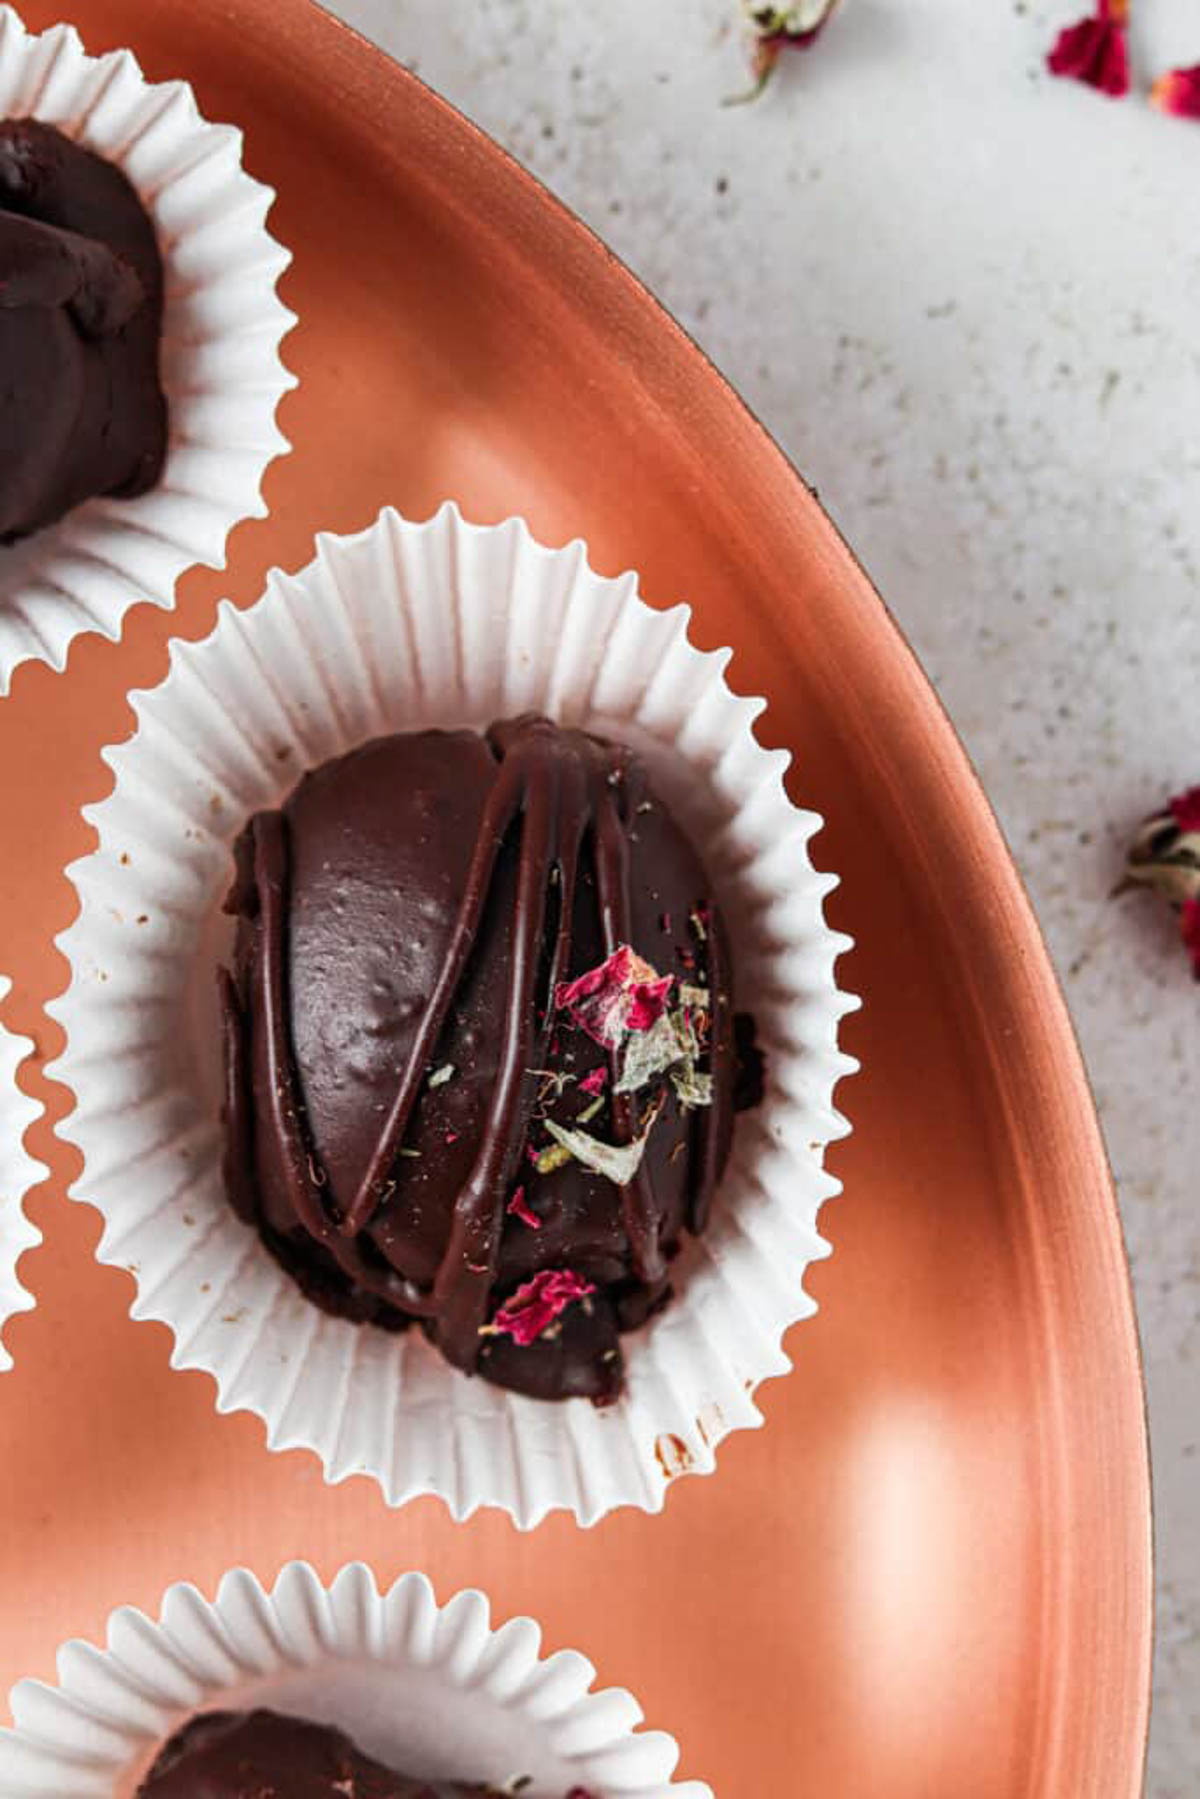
1165,855
1095,50
1185,809
1165,851
519,1207
623,994
1178,93
594,1082
534,1307
648,1002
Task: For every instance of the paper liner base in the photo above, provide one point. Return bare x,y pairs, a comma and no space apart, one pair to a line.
220,365
430,1690
18,1172
403,626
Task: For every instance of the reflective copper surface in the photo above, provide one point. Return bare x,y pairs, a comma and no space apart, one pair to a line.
929,1574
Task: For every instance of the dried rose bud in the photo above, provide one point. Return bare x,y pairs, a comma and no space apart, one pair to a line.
775,29
1178,93
1165,855
1095,51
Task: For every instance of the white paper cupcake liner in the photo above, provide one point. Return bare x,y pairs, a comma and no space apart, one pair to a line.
221,370
18,1172
432,1691
404,626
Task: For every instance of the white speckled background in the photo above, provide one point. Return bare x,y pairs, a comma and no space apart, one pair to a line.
966,300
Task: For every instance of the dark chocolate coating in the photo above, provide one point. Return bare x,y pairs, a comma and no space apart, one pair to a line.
412,906
262,1755
81,409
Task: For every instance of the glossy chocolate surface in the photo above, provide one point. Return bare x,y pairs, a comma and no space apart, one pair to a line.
394,1049
81,409
264,1755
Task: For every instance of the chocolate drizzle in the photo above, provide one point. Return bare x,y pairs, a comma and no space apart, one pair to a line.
559,808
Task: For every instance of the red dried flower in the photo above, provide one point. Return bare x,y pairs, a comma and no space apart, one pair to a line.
594,1082
534,1307
1095,51
1185,809
519,1207
623,994
1165,855
1178,93
648,1002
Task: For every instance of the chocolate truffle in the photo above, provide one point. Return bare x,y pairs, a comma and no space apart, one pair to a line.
262,1755
479,1045
81,409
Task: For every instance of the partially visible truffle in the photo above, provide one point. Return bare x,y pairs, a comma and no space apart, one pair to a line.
263,1755
81,291
479,1045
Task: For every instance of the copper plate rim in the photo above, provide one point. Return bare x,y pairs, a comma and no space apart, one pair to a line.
1091,1671
987,876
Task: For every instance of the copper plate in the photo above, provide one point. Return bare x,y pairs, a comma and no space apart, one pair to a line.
930,1573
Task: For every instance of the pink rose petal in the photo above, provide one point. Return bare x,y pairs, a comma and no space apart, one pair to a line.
1185,809
519,1207
624,993
648,1002
1178,93
534,1307
1095,51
